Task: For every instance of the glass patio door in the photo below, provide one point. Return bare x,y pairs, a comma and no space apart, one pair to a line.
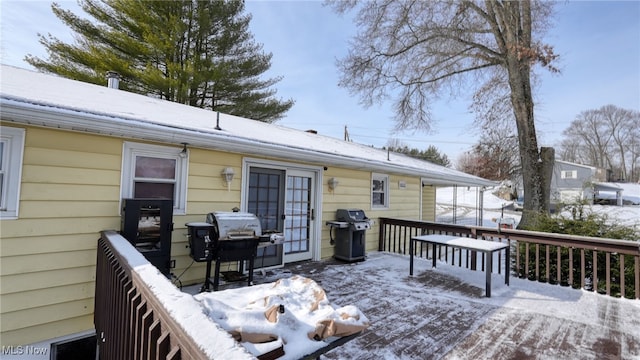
266,200
299,215
283,201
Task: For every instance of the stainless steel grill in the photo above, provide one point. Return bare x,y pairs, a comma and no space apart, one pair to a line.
228,236
234,225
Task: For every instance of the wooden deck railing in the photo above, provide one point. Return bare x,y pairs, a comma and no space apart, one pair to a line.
134,320
608,266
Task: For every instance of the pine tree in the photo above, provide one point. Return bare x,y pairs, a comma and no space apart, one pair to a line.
432,154
199,53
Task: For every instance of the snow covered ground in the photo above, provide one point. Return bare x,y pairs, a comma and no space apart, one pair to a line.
495,208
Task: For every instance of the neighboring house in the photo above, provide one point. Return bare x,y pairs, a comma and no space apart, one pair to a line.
71,151
572,182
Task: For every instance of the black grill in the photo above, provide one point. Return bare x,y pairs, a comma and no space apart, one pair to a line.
349,227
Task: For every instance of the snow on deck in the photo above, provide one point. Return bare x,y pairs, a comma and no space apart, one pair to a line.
464,242
441,313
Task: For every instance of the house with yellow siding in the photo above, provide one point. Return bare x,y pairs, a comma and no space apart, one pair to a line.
72,151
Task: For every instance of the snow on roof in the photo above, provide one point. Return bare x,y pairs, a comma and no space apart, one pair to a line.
46,100
575,164
630,192
607,186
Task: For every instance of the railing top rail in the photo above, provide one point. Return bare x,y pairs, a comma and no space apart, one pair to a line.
179,311
629,247
128,257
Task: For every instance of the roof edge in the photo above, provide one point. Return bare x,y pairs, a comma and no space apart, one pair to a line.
22,112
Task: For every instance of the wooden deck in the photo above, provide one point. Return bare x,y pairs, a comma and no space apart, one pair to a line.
433,315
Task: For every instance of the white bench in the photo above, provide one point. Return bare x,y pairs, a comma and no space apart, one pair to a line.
484,246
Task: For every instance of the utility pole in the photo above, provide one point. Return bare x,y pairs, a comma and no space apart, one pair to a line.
346,134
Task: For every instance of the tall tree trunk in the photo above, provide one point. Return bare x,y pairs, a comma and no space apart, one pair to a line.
547,161
515,41
532,180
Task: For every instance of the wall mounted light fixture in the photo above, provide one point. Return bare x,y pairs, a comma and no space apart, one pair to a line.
333,183
184,153
227,175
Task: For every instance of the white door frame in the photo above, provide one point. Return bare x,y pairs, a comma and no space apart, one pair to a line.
317,171
308,254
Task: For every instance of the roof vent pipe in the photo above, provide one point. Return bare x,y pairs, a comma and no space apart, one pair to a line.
113,80
218,121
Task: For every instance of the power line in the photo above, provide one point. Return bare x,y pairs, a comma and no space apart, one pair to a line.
414,140
348,135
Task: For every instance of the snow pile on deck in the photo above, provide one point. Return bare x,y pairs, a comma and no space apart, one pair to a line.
294,312
186,311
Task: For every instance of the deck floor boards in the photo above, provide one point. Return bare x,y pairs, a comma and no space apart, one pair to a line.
436,316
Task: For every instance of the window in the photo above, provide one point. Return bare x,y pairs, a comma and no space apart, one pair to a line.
11,150
156,172
569,174
379,191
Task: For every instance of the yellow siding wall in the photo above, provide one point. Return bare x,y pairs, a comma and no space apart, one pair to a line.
207,192
354,191
428,203
70,192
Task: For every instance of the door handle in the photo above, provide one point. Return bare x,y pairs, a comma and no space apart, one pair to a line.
313,214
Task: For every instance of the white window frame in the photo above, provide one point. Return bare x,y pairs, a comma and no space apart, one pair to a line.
12,156
129,153
569,174
385,179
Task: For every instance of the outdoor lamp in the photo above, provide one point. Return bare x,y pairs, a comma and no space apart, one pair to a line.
183,154
227,175
333,183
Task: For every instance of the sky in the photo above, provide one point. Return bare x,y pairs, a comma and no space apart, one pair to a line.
598,44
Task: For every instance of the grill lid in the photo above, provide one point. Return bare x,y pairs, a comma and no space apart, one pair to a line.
353,219
351,215
235,225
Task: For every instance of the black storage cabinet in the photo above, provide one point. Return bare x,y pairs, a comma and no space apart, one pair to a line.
203,238
147,224
349,244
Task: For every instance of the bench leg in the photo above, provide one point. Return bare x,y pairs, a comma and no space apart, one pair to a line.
433,254
507,268
489,270
411,250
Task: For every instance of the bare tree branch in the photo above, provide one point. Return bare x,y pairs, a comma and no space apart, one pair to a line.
411,51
